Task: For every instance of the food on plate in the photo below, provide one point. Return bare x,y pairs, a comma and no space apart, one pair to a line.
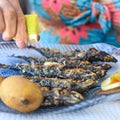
58,96
91,54
67,62
111,82
56,70
76,85
49,53
21,94
64,77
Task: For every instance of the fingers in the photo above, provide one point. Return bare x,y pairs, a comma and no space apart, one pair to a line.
8,18
2,24
12,22
21,34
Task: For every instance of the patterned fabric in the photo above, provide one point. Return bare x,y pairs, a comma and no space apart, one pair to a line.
79,21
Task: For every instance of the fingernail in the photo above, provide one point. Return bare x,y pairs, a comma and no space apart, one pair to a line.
21,44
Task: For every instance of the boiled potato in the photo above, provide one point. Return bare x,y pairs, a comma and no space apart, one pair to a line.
1,79
21,94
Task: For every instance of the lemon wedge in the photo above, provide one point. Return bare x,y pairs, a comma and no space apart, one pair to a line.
111,82
32,27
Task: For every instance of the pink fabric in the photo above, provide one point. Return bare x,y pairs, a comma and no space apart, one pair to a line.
115,13
56,5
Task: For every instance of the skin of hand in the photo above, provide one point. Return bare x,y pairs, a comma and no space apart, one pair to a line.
12,22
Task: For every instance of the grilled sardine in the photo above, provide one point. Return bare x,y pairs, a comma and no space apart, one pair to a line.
58,97
79,85
91,55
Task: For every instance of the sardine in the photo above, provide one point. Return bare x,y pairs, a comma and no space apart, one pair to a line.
76,85
56,70
91,55
58,97
100,69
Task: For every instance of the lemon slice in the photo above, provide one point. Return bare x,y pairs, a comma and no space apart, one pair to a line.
111,82
106,84
32,27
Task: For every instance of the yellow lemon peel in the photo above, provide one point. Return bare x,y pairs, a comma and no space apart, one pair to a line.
32,27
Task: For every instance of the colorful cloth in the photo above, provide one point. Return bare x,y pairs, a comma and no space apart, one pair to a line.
79,21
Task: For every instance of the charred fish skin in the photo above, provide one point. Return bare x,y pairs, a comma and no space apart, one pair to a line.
58,71
35,70
94,55
49,53
50,71
72,53
79,85
91,55
65,61
35,60
97,55
71,64
58,97
55,71
78,73
103,66
28,59
87,66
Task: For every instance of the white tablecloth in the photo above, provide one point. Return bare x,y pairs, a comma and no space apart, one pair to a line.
105,111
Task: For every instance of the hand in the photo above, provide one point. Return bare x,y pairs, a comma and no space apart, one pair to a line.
12,22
